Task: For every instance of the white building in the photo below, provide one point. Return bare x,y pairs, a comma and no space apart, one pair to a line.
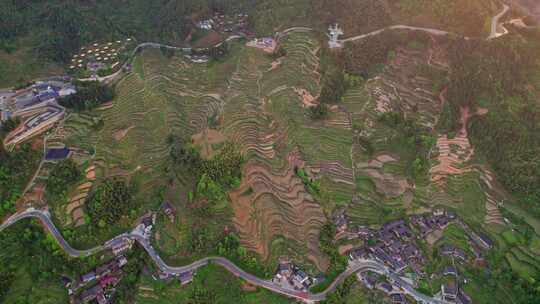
334,32
65,91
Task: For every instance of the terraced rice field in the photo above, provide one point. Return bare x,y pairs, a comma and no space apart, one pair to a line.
258,107
412,83
160,98
261,108
408,84
172,96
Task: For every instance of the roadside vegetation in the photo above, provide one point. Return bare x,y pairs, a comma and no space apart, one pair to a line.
110,201
338,263
16,169
211,284
90,95
63,175
31,265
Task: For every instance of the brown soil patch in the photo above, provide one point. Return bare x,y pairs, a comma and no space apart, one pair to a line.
85,186
79,196
455,153
206,139
384,158
307,99
451,160
78,214
35,195
434,236
120,134
248,287
37,144
345,248
74,205
408,197
91,173
210,39
386,183
275,65
270,203
481,111
383,104
105,106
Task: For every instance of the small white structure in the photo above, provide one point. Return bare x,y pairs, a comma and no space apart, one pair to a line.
205,24
65,91
334,32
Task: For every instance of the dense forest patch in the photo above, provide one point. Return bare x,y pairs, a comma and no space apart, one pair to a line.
500,76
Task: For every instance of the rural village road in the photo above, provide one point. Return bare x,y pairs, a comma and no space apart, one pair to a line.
356,266
493,32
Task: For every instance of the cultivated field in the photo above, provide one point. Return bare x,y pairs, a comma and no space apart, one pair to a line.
361,163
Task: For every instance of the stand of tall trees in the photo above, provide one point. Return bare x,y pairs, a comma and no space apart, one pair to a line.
28,250
63,175
16,167
89,95
502,77
109,202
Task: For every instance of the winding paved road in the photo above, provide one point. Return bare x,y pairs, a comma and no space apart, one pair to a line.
437,32
149,45
353,267
398,27
495,23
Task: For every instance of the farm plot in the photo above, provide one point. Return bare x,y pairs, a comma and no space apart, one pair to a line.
271,200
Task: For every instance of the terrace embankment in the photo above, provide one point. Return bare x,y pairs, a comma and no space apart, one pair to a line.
270,204
272,201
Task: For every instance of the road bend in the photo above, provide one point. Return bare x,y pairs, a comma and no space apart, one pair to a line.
493,31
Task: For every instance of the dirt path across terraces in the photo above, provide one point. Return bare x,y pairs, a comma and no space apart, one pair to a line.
120,134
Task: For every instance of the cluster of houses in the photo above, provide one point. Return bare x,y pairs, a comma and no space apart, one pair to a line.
222,23
99,56
36,106
451,292
267,44
97,285
183,278
291,276
427,223
373,280
394,245
478,242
